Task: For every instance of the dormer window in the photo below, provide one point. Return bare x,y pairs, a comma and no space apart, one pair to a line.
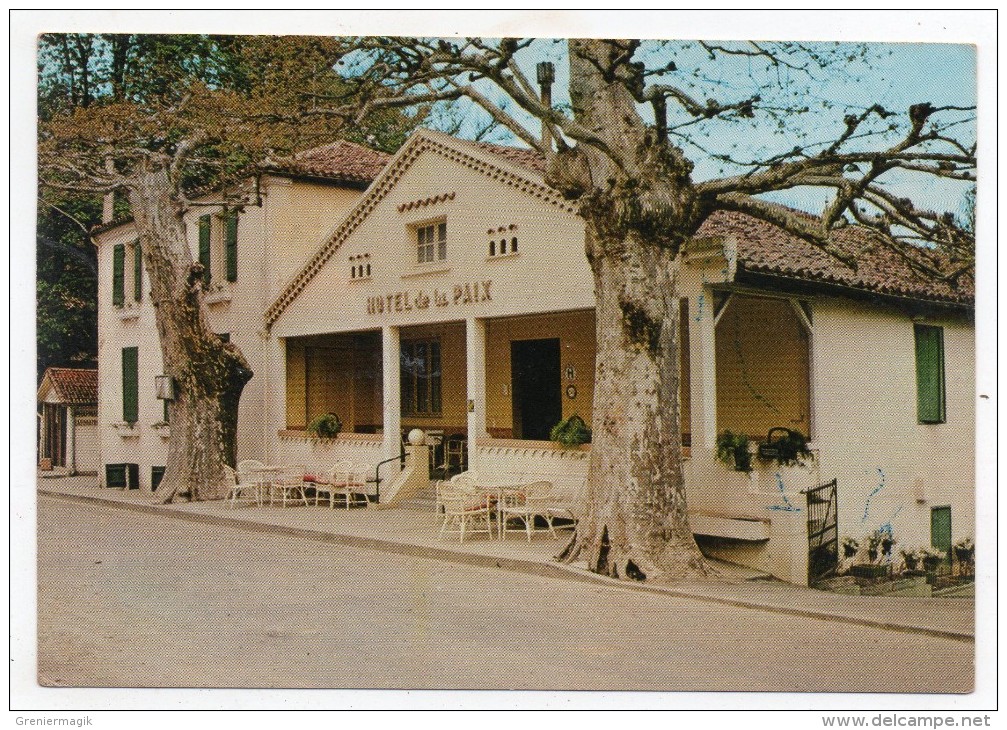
432,243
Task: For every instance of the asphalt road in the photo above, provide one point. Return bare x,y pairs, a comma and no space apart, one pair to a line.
134,600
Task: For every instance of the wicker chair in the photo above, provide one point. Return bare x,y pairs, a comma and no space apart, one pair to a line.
532,501
466,511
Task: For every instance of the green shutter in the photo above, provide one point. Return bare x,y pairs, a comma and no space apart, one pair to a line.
130,385
118,275
231,245
204,247
137,271
929,373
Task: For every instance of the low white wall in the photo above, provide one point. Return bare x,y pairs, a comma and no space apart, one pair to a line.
319,455
511,459
87,455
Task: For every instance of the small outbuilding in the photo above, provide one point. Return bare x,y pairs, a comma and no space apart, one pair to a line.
68,421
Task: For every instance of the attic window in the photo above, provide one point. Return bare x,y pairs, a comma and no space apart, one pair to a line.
360,266
502,240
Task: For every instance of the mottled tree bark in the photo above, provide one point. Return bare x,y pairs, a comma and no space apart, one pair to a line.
635,195
209,374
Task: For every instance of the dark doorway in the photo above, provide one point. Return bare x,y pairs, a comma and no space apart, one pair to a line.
536,388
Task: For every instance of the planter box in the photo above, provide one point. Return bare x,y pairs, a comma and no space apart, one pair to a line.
869,570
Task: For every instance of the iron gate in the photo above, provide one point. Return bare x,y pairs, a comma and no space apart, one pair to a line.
823,532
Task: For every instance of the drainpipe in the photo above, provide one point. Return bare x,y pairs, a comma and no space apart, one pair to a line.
546,75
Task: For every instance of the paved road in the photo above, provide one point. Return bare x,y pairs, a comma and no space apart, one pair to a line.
134,600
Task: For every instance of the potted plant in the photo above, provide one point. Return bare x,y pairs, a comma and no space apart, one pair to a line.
785,446
965,554
733,450
850,547
887,543
932,558
326,426
911,559
571,432
872,569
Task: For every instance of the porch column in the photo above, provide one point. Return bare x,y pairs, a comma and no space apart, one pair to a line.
392,406
703,367
71,441
475,379
274,396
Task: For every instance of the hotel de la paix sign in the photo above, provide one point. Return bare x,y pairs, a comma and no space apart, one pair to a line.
455,296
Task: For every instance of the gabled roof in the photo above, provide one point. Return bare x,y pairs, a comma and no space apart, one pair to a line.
340,161
73,386
510,166
767,249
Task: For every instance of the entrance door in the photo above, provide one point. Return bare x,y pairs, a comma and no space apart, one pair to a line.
536,388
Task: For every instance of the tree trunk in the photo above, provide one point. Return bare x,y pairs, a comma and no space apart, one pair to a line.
208,373
637,523
638,206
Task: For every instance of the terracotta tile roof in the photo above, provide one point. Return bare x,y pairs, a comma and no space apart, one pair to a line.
765,248
517,155
74,385
343,161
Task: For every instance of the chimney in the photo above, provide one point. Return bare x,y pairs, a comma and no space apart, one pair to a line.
546,75
108,202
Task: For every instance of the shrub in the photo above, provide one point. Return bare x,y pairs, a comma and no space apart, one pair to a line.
571,432
732,449
326,426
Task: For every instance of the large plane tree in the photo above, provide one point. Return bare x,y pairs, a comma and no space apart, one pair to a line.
152,119
624,145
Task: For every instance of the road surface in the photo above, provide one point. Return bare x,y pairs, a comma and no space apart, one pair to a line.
135,600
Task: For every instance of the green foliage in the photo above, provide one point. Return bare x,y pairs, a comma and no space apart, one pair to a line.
571,432
326,426
787,447
66,315
732,449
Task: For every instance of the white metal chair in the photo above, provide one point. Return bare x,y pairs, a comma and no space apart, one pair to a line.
337,481
466,511
534,500
289,485
250,477
350,480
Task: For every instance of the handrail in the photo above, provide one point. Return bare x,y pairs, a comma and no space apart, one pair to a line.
401,458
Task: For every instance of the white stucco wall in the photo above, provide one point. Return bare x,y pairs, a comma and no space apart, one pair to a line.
273,239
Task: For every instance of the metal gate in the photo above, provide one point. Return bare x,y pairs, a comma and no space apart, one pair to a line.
823,532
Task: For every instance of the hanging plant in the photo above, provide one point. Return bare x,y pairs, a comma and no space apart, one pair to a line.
326,426
733,450
785,446
571,432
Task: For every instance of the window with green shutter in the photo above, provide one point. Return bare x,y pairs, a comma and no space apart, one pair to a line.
929,373
119,275
130,385
231,244
137,271
204,247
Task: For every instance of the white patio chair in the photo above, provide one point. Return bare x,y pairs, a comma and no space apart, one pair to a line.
235,489
466,511
289,485
532,501
337,480
250,476
352,483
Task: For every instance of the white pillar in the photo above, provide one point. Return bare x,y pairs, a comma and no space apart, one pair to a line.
71,441
390,393
703,369
475,379
274,363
